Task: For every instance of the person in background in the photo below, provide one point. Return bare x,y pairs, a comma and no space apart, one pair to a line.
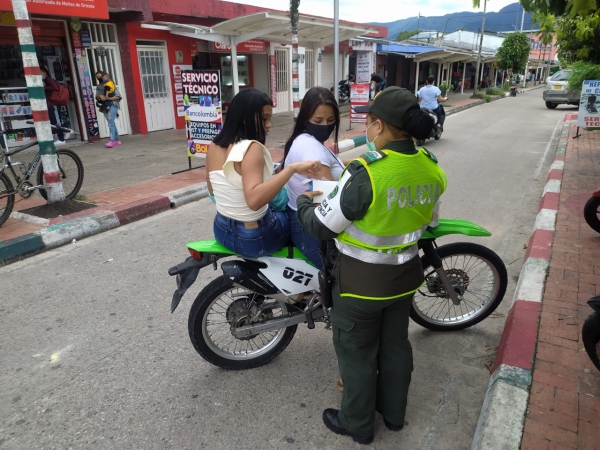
112,113
430,97
51,85
378,83
240,176
376,265
318,118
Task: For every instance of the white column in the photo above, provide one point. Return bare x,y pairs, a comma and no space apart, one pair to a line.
462,86
417,78
317,66
234,66
439,73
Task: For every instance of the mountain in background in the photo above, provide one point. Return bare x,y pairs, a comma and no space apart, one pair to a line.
507,19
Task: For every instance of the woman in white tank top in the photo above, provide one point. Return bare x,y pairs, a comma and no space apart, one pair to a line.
239,169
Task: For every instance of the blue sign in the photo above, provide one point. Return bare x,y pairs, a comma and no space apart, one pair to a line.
86,39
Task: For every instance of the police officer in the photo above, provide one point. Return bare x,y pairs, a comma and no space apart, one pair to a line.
384,201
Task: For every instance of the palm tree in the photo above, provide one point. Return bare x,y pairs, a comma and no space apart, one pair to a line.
546,32
294,5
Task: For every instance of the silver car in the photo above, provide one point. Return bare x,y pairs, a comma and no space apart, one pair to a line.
556,91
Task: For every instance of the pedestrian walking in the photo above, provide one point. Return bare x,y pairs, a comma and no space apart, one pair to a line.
56,96
111,111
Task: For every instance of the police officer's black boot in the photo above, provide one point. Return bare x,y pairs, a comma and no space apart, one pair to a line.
332,421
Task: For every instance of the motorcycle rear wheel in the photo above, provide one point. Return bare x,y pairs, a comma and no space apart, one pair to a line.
476,272
591,213
216,310
590,334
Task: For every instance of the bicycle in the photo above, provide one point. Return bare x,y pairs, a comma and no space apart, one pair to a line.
70,165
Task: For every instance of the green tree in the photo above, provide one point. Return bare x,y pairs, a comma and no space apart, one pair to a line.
407,34
294,14
477,4
578,38
560,7
514,52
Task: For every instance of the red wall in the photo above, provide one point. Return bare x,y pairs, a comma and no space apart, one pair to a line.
174,43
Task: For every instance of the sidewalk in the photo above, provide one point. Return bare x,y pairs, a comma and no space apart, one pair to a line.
564,405
135,180
544,392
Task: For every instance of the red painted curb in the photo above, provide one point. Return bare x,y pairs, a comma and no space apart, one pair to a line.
540,244
517,345
550,201
555,174
141,209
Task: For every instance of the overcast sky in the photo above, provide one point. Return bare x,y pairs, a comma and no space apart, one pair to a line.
379,10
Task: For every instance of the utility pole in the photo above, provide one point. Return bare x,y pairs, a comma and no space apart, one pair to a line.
524,73
336,49
39,108
479,53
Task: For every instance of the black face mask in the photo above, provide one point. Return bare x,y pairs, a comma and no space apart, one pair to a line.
320,132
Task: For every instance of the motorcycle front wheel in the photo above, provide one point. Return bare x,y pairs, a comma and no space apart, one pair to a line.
590,335
221,307
591,213
478,276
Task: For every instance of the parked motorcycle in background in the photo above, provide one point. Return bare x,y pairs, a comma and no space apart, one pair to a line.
591,211
590,333
344,90
436,132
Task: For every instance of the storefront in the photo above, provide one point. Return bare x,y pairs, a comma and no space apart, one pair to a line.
61,43
52,49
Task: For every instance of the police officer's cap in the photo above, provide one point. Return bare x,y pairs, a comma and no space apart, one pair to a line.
391,105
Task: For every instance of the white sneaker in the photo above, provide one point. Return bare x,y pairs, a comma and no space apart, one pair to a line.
59,143
68,136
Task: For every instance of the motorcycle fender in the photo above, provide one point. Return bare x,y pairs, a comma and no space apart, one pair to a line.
247,274
291,276
594,303
596,193
186,274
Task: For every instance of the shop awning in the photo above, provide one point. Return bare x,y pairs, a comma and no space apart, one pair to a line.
313,32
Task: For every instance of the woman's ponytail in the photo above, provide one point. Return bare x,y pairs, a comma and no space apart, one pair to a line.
418,123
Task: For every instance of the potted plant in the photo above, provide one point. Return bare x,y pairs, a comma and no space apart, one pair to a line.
444,87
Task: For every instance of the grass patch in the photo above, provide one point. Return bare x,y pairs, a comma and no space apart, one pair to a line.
487,98
495,91
83,198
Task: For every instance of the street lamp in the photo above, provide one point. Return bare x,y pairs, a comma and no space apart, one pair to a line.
479,53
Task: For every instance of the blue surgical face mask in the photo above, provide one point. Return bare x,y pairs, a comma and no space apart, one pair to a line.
371,144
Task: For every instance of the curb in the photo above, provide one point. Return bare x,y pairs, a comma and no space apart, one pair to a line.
76,227
502,417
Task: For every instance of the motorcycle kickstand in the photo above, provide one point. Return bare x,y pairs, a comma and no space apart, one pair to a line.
436,262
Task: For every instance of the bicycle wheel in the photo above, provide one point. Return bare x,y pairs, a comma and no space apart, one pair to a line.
71,170
7,198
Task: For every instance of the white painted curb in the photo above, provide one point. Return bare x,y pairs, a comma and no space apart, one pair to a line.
64,233
187,194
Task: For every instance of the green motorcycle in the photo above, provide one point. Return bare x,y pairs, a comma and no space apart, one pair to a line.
248,315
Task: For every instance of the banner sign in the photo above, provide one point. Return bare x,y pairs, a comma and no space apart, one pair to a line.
359,96
177,69
589,104
251,46
273,65
202,104
87,95
92,9
363,67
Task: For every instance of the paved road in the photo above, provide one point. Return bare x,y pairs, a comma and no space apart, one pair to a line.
91,357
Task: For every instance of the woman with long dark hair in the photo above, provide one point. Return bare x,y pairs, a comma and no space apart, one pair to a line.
239,169
318,118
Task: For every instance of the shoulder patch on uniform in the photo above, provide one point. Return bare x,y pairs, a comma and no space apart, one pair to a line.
333,193
372,155
429,155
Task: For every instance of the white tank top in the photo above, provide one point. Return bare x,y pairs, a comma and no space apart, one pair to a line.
227,185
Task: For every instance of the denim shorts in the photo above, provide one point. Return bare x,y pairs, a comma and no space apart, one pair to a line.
253,239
